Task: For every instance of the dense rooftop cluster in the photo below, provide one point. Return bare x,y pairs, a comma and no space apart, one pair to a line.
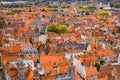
60,41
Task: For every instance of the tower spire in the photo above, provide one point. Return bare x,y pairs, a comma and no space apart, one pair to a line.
71,67
20,75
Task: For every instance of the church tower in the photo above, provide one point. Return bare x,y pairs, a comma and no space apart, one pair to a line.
20,75
71,67
0,61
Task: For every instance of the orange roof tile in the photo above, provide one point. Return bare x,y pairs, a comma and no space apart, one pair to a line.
103,52
91,71
9,58
50,70
12,71
101,79
77,77
49,62
30,76
50,59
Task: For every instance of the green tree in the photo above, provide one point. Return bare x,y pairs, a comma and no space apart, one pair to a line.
53,6
18,11
65,6
27,4
83,6
53,28
55,9
2,26
59,21
57,29
118,30
97,65
86,6
114,5
101,62
62,29
47,40
91,6
103,13
43,10
12,12
1,18
41,45
1,44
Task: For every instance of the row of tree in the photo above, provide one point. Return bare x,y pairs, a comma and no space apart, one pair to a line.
17,5
56,6
115,5
57,29
12,12
103,13
86,6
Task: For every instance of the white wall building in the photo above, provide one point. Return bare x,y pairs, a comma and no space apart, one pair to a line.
119,59
79,67
29,63
43,38
67,55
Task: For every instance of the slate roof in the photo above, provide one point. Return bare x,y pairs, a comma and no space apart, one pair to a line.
65,78
73,44
29,50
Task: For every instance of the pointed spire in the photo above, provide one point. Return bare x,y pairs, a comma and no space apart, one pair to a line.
20,75
0,61
71,67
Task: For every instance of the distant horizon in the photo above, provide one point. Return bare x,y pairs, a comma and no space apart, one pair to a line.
52,0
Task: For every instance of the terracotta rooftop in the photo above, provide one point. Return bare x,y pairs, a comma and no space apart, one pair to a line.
50,62
12,71
107,70
103,52
101,79
91,71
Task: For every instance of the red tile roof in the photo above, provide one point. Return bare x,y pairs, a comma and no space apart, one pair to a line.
12,71
90,71
103,52
100,79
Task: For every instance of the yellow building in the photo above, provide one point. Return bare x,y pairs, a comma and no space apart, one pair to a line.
30,53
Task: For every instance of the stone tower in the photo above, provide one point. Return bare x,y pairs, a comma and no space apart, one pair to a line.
36,76
0,61
71,67
20,75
